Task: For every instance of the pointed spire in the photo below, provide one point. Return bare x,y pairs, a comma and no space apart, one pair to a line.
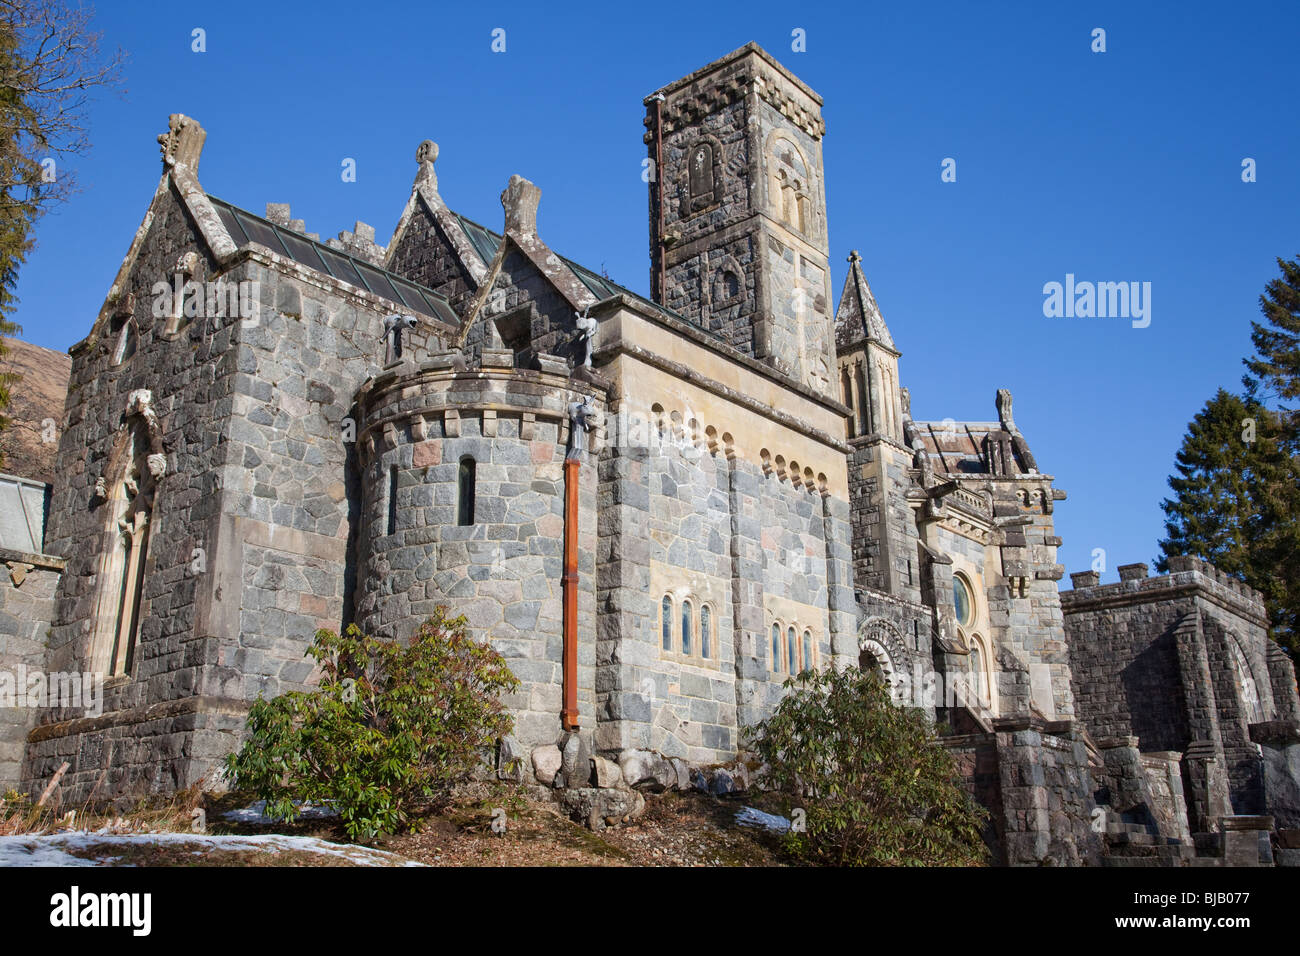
858,317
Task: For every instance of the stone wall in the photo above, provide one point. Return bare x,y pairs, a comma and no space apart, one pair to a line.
1046,790
1183,663
26,610
189,374
684,515
251,522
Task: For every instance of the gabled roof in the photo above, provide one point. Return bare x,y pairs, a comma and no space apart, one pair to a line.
245,227
858,317
485,243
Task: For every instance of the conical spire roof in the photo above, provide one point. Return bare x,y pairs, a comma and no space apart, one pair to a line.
858,317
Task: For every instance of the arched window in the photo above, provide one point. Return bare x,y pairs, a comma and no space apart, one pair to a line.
976,663
864,419
122,566
776,646
807,650
846,387
465,491
706,624
701,176
125,346
963,601
688,625
792,650
666,625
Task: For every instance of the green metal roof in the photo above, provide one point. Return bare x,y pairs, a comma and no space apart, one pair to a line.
244,227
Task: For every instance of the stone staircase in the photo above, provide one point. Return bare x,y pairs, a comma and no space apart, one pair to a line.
1140,844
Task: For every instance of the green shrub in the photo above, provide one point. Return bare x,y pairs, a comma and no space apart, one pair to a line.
390,731
874,787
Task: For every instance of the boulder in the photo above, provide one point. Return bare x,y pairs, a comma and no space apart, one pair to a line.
683,771
546,764
721,781
575,762
607,773
646,770
510,760
599,808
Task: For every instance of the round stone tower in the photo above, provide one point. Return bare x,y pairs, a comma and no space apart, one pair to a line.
463,503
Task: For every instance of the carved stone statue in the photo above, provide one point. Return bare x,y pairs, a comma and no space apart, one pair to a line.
582,416
586,335
1018,443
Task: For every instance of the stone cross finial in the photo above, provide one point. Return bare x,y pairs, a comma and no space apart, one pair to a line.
520,200
426,154
182,144
854,257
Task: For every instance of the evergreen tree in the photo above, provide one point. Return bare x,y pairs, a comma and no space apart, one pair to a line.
1274,369
1236,503
49,63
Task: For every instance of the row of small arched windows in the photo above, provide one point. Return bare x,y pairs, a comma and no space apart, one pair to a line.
792,652
679,632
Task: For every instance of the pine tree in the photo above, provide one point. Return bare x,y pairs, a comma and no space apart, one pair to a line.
1236,504
1274,369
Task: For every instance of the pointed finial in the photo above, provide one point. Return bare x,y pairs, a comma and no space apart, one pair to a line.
854,257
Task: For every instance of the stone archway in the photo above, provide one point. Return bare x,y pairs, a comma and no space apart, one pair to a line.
881,649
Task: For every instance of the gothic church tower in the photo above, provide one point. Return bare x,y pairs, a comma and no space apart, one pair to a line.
738,238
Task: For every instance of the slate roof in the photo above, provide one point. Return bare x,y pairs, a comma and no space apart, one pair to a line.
957,448
858,317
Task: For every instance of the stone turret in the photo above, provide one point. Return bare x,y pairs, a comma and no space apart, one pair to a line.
738,211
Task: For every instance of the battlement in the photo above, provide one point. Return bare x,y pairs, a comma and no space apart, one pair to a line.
1186,575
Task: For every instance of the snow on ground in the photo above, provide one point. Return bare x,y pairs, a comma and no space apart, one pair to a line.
749,817
52,849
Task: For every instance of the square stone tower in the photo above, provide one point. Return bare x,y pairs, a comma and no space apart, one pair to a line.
738,211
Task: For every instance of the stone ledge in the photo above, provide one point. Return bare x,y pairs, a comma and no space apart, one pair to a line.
224,706
46,562
1281,732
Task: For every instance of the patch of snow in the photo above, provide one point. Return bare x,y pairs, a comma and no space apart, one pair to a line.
52,849
749,817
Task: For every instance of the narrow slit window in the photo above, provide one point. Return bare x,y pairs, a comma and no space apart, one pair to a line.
776,647
688,625
706,622
465,491
807,650
667,623
792,649
392,500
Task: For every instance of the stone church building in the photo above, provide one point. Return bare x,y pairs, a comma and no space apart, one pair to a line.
656,509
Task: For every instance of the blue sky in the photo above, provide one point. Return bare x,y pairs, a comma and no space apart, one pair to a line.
1115,166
